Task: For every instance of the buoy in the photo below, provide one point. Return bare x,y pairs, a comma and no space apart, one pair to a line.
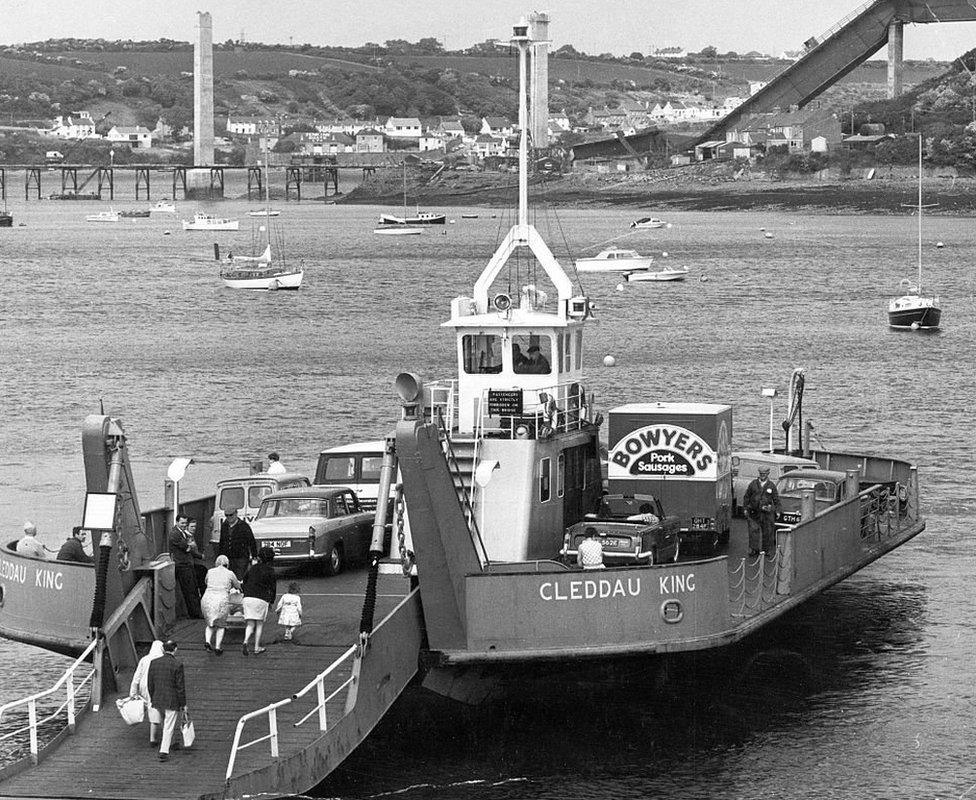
762,229
668,225
768,235
609,361
620,287
702,278
914,326
166,233
939,244
664,254
452,221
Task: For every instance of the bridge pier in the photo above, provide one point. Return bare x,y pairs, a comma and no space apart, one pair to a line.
32,180
69,178
293,180
3,184
142,181
254,180
896,44
106,177
179,180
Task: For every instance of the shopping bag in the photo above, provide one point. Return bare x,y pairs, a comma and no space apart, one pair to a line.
189,734
132,709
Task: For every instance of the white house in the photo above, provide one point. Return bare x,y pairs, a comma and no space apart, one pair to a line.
136,136
428,142
78,126
252,126
671,53
403,128
497,127
486,145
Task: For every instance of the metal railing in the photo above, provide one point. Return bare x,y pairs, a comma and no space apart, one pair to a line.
561,407
271,711
67,680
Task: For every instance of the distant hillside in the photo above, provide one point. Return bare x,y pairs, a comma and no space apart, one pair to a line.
137,82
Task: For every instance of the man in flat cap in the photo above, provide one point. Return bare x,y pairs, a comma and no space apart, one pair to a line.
761,502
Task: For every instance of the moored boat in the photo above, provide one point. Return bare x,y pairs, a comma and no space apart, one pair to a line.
913,310
398,230
208,222
264,212
6,219
649,222
104,216
163,207
134,213
417,218
665,274
614,259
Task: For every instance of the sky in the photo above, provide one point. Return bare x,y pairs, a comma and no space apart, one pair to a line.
619,27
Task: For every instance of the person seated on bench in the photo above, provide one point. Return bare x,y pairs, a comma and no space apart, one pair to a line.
645,514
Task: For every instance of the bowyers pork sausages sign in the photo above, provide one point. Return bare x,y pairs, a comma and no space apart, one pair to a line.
663,451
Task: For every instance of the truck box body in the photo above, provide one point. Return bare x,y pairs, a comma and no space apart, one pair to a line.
681,454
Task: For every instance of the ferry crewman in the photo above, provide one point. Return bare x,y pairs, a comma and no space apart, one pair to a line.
761,502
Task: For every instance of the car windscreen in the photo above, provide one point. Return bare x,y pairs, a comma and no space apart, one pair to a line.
294,507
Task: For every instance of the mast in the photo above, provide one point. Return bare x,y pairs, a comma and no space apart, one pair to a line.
919,281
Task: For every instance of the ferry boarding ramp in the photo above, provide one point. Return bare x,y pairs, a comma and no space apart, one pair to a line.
831,55
105,758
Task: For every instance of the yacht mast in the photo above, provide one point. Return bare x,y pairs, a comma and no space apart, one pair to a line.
919,281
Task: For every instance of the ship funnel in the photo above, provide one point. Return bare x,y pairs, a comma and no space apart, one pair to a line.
410,388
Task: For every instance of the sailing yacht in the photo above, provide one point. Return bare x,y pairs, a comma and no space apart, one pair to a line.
265,270
913,310
417,218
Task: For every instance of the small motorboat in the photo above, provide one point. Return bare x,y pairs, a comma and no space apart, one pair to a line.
469,216
614,259
398,230
134,213
163,207
104,216
208,222
666,274
264,212
649,222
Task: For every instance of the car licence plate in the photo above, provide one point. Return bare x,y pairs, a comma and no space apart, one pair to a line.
790,517
278,544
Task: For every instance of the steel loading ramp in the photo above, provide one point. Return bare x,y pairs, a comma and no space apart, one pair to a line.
833,54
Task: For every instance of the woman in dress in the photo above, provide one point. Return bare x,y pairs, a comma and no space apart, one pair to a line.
260,588
215,603
140,688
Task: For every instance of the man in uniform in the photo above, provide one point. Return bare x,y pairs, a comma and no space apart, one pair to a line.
761,503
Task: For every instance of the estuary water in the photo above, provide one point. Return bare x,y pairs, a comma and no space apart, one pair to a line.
867,691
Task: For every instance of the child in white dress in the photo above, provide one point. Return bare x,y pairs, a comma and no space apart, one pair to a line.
289,610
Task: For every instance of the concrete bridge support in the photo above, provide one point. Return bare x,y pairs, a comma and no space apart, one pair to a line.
896,42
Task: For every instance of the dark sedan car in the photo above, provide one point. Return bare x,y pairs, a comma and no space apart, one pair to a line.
314,524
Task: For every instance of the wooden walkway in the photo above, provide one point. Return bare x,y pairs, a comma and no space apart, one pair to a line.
108,759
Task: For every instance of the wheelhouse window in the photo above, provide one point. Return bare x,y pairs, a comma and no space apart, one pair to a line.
545,480
530,354
482,353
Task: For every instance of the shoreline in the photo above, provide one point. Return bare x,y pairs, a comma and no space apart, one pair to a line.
894,195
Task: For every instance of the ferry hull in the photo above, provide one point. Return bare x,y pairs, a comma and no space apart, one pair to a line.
45,603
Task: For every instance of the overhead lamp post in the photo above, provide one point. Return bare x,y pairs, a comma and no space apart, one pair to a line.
770,392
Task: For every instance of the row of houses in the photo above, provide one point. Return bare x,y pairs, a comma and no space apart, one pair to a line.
677,53
80,125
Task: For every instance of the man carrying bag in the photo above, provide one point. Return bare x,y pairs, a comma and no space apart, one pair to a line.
167,689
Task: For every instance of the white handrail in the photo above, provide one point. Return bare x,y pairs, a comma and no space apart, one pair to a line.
31,702
272,712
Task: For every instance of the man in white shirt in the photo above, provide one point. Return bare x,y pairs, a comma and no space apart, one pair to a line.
275,467
29,546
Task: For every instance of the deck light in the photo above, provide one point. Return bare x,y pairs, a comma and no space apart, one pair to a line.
410,388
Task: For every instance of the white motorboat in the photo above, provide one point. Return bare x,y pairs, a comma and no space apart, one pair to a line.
649,222
208,222
104,216
913,311
163,207
614,259
666,274
398,230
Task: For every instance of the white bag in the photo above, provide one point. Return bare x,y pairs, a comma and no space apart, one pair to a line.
132,709
187,730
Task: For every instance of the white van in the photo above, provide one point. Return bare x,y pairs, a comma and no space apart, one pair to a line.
356,466
245,494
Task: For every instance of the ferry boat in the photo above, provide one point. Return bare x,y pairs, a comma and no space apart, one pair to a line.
208,222
490,471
